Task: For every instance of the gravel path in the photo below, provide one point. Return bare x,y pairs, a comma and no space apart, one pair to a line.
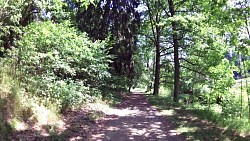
135,119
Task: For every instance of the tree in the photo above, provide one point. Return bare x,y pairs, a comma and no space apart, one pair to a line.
176,52
121,20
180,31
154,19
12,15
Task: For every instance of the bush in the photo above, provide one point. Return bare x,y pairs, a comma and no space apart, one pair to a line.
60,64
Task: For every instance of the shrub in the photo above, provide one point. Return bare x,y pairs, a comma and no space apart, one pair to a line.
61,64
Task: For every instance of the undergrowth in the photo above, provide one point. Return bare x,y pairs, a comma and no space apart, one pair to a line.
185,117
20,103
17,107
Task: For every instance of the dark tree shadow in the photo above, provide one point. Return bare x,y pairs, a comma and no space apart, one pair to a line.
137,120
134,119
186,118
78,126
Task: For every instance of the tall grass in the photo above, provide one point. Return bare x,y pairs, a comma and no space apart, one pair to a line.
215,113
10,100
16,105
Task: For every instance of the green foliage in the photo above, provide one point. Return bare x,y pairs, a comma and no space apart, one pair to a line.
206,33
197,115
10,15
57,64
11,98
60,50
61,63
103,20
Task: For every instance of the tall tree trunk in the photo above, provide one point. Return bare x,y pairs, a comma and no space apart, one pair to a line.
157,63
156,39
176,53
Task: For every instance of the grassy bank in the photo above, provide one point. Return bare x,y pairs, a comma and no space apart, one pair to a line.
23,110
197,123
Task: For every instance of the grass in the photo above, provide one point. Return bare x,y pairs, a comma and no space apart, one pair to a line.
17,110
197,123
21,110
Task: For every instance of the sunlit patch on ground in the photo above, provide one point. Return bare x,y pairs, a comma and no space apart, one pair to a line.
173,132
189,123
42,123
18,125
112,111
186,129
46,117
168,112
135,119
76,138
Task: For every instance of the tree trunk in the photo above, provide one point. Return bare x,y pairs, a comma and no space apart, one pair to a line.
176,53
157,57
156,33
157,65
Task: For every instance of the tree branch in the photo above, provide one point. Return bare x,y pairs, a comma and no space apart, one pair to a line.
180,3
182,36
5,4
189,62
164,10
151,38
167,82
151,21
166,49
197,55
193,70
167,53
181,11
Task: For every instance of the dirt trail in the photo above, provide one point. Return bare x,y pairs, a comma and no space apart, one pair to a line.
135,119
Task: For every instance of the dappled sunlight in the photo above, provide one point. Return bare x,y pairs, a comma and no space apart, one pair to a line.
44,116
168,112
76,138
18,125
135,119
112,128
113,111
173,132
129,128
187,129
42,123
75,125
186,122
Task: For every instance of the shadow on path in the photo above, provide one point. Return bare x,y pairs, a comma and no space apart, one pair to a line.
188,124
78,127
135,119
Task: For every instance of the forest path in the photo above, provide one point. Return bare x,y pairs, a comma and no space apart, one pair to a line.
135,119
